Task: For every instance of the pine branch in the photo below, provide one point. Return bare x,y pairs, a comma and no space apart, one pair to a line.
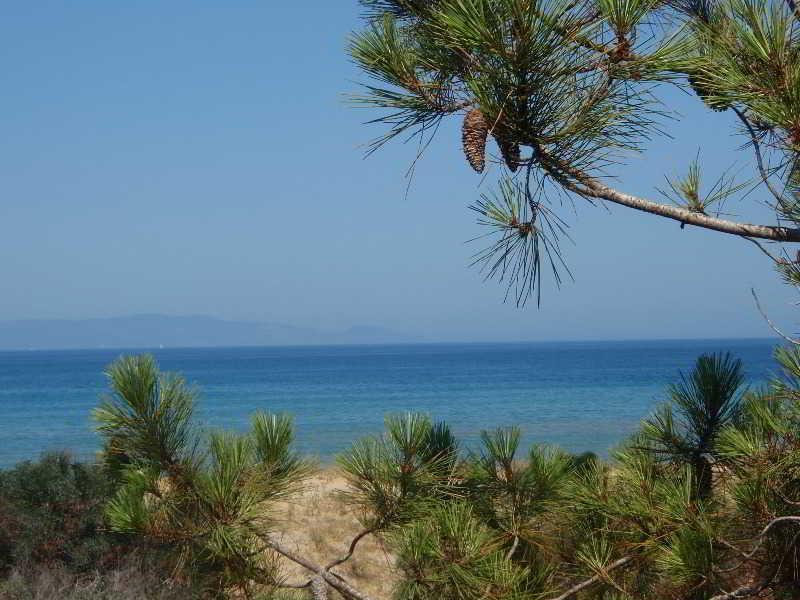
594,579
759,156
748,591
351,550
794,8
593,188
772,326
336,582
319,590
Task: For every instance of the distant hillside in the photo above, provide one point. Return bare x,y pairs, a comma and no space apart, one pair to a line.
152,331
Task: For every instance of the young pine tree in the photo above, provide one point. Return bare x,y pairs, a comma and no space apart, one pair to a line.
706,401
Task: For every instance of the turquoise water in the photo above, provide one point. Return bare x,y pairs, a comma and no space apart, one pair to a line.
582,396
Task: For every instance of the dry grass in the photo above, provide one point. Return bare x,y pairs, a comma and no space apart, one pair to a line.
320,526
133,580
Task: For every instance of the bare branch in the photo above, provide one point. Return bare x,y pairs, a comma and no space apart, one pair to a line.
748,591
513,548
319,590
336,582
771,324
351,550
592,580
294,586
759,157
766,530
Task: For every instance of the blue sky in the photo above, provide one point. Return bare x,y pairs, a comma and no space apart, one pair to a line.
199,158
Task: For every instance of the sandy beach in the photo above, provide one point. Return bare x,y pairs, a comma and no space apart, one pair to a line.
317,524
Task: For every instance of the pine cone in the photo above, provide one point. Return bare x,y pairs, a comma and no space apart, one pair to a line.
509,149
473,139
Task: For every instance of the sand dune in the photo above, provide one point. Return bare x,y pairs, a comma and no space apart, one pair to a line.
320,526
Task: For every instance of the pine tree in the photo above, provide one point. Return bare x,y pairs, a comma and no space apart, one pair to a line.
707,401
569,89
489,521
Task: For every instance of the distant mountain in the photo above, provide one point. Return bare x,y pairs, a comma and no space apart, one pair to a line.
153,331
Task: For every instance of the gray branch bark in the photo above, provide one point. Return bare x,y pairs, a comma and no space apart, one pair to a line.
588,186
592,580
337,583
351,549
763,232
749,591
319,589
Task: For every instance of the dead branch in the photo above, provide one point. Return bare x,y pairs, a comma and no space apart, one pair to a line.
594,579
318,588
759,156
770,323
748,591
351,550
335,581
513,548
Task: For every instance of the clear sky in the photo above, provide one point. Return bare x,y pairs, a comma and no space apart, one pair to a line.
198,157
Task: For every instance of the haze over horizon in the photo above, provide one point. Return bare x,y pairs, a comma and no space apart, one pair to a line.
199,160
199,331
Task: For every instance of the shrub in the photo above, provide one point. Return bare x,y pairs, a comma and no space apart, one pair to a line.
51,513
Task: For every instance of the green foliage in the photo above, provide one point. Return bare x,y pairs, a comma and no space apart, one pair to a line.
211,507
763,452
652,523
526,235
706,401
569,82
749,52
394,477
51,513
687,192
510,493
147,418
451,554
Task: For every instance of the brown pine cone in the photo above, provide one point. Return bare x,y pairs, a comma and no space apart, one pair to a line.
509,149
473,138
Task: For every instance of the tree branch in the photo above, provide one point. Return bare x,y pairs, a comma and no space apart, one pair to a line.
337,583
319,590
759,157
513,548
763,232
748,591
594,579
591,187
770,323
794,8
766,530
351,550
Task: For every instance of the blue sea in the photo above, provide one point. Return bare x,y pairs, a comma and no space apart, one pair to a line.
579,395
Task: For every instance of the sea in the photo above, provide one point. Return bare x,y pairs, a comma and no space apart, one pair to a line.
582,396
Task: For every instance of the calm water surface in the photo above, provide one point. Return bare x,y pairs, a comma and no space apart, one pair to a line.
580,395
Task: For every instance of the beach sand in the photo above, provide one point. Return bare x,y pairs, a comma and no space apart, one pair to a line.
317,524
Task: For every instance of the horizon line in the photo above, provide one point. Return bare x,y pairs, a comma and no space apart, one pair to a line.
159,347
